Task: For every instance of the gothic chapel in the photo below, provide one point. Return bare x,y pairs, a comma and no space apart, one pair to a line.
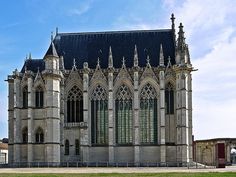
116,97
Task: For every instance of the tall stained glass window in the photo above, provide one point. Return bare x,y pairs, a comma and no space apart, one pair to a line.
148,115
39,97
124,115
75,105
25,97
169,99
99,116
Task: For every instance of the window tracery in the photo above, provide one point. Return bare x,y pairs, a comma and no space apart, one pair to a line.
99,114
124,115
148,114
39,136
75,105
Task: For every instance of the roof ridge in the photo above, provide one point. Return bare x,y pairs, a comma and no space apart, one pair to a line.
110,32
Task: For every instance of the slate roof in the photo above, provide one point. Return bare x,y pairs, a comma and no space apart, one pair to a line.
33,65
88,46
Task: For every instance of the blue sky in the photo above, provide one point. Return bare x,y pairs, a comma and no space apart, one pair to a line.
210,29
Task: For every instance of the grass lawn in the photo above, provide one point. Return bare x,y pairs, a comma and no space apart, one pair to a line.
210,174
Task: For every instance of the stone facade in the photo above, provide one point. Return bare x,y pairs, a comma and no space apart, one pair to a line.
205,151
138,114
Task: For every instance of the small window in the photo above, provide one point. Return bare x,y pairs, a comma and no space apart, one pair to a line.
67,147
25,135
39,98
25,97
39,136
76,147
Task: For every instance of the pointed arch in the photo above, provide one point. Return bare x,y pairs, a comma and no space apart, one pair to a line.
124,115
148,114
39,97
74,101
25,135
99,115
25,96
39,135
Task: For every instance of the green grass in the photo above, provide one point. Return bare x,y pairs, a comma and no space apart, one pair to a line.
210,174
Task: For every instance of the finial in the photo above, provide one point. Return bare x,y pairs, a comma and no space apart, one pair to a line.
123,61
56,30
98,63
172,21
161,57
148,61
110,58
169,62
74,65
181,38
26,57
38,69
51,36
135,56
30,56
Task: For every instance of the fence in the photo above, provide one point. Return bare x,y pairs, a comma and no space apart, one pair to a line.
191,165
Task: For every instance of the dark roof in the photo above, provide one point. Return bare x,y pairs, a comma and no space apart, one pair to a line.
51,50
85,47
33,65
88,46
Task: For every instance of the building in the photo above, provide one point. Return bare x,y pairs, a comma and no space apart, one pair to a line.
3,152
205,151
114,97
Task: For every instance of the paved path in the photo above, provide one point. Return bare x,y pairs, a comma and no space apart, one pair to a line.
114,170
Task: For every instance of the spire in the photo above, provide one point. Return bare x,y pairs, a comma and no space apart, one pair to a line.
98,64
51,36
74,65
30,58
51,51
148,61
161,59
110,58
123,62
181,38
169,62
135,56
56,30
172,22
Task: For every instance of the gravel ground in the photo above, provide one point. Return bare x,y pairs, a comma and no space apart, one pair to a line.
114,170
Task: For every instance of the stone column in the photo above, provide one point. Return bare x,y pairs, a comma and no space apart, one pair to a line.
162,118
62,116
182,118
85,132
190,133
136,118
30,120
10,80
111,117
17,120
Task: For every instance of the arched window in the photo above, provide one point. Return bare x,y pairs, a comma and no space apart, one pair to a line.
39,97
25,97
148,115
77,147
67,147
75,105
39,136
25,135
169,99
99,116
124,115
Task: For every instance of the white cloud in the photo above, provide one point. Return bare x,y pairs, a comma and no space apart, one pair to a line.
83,8
211,35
